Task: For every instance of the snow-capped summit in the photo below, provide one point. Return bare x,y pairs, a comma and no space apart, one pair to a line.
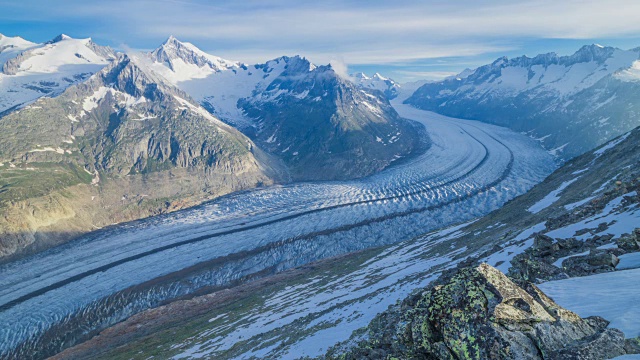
185,61
360,76
377,76
59,38
12,46
377,82
35,70
60,54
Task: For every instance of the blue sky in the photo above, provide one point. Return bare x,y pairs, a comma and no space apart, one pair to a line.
405,40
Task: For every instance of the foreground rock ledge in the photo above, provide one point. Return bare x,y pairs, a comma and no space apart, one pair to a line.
479,313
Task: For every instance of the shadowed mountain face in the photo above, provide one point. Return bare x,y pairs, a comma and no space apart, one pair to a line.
571,103
326,127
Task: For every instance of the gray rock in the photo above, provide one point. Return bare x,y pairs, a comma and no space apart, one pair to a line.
597,261
543,245
629,242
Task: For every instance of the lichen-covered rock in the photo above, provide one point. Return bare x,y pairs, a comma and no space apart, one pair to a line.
632,346
479,313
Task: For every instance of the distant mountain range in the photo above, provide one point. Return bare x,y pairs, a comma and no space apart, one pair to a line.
570,103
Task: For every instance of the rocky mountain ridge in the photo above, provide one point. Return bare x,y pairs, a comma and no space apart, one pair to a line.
316,121
479,313
570,103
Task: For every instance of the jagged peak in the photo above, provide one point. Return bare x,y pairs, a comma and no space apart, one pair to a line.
377,76
361,76
59,38
173,49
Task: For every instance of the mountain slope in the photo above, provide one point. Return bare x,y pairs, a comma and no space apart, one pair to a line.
571,103
322,126
30,71
120,131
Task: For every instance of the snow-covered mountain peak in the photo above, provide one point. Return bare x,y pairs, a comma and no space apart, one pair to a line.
16,41
300,63
360,76
377,76
377,82
59,38
11,46
593,52
187,61
30,71
60,54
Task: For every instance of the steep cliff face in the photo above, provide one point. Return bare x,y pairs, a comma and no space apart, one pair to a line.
124,136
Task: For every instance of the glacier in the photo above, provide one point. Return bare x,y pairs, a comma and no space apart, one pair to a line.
102,278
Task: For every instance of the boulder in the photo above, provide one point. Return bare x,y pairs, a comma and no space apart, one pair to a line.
544,246
528,268
629,242
598,261
632,346
570,244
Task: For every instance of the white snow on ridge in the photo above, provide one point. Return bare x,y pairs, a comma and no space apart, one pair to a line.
621,220
10,47
54,58
563,80
47,70
550,198
611,145
213,80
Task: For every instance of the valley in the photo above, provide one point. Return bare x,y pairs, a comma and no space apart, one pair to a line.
93,282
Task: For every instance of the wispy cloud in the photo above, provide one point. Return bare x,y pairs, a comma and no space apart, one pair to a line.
426,75
372,32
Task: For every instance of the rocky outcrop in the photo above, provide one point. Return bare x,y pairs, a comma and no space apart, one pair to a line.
479,313
593,263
